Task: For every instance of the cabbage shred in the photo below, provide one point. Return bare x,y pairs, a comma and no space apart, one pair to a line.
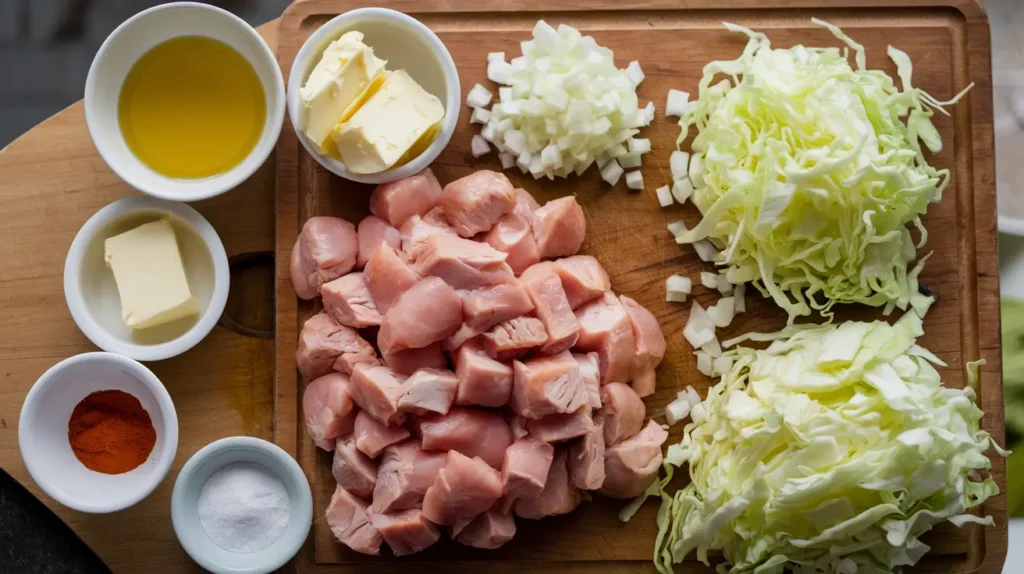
808,171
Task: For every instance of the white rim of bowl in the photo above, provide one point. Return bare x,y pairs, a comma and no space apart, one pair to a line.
452,99
167,411
187,474
1010,225
233,177
79,308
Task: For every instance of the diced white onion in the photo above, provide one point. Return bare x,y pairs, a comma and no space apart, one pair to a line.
705,250
478,97
677,287
677,410
664,196
507,160
721,365
639,145
496,56
634,73
679,163
677,103
635,180
704,365
722,312
480,116
629,160
523,161
682,189
723,285
708,279
696,169
478,146
499,71
515,141
611,173
713,348
692,395
677,228
738,294
699,328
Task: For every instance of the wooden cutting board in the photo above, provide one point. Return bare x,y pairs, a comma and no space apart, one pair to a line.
949,44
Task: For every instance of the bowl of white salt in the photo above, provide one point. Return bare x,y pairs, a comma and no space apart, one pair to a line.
241,505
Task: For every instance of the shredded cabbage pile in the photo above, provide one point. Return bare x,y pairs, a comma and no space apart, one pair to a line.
835,448
807,173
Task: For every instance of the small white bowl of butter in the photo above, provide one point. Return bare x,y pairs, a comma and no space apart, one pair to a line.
146,278
382,79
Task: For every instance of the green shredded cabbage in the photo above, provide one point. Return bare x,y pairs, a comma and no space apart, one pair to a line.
832,450
807,172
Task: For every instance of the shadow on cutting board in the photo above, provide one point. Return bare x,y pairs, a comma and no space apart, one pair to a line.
34,540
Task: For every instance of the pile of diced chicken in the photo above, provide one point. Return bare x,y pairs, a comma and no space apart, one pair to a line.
531,404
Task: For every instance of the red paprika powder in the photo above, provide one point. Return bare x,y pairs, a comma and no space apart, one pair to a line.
110,432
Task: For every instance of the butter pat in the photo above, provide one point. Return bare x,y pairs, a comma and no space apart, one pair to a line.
150,276
398,121
347,74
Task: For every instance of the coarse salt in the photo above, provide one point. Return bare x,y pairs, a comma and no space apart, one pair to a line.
244,508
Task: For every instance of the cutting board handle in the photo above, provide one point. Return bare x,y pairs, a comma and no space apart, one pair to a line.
238,264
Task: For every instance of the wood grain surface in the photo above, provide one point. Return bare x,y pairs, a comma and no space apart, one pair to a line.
949,44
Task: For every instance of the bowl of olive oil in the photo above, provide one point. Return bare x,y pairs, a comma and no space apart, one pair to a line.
184,101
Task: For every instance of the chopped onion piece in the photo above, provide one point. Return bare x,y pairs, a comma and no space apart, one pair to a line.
713,348
699,328
602,160
705,250
639,145
496,56
677,410
629,160
738,295
507,160
677,103
635,180
480,116
499,71
696,169
611,173
664,196
692,395
723,285
677,287
722,312
634,73
478,97
523,161
515,141
704,365
721,365
616,150
478,146
708,279
682,189
677,228
679,163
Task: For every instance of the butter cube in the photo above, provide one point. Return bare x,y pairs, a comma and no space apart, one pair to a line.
150,276
348,72
398,121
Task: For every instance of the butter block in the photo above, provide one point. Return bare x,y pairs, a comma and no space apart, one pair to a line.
150,275
397,122
347,73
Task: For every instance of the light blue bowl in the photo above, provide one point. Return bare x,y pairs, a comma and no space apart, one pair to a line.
185,513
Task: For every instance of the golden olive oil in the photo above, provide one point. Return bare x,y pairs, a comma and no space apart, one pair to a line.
192,107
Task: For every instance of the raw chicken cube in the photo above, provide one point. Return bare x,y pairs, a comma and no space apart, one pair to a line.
560,495
622,412
349,521
416,229
514,338
409,361
462,263
516,423
650,345
485,307
464,488
547,385
562,427
489,530
346,363
552,307
323,341
406,472
328,409
407,531
632,465
348,301
525,470
482,380
400,200
526,204
465,333
387,277
473,432
606,329
583,278
591,374
586,459
353,470
377,390
430,311
327,249
559,227
372,232
428,391
513,234
372,437
475,202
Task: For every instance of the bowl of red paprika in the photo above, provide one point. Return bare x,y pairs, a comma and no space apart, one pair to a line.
98,432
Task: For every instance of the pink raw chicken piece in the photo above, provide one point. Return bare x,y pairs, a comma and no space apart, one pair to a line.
411,360
559,496
346,363
348,301
583,278
586,459
622,412
400,200
350,523
428,391
591,377
371,437
606,329
372,232
465,333
525,470
489,530
377,390
650,345
328,409
387,277
482,380
428,312
516,423
547,385
406,532
559,227
514,338
633,464
552,307
406,472
485,307
353,470
462,263
416,229
464,488
323,341
327,248
513,233
473,432
475,202
560,428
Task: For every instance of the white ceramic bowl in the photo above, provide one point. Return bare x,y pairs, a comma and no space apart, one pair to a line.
91,292
129,42
406,43
189,484
43,432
